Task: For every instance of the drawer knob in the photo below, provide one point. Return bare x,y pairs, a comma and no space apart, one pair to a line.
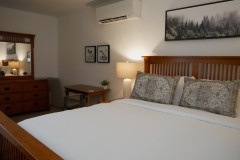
6,89
35,95
8,108
7,98
36,103
35,86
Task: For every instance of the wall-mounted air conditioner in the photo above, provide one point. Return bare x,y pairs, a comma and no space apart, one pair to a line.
119,11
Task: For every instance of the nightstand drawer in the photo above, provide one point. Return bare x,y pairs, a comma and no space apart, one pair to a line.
35,95
36,105
10,88
12,108
35,86
10,98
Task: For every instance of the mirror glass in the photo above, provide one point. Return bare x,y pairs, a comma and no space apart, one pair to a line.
15,59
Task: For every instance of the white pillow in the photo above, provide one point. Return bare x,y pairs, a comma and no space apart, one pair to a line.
179,91
6,69
238,105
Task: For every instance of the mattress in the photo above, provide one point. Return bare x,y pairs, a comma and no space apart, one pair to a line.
131,129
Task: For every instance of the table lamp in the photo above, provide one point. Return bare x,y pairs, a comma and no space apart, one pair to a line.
127,71
2,73
14,65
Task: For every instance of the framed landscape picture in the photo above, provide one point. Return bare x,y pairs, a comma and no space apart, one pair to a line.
90,54
212,20
11,48
103,54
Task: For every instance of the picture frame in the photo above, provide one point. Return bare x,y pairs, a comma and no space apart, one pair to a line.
206,21
90,54
11,48
103,53
28,56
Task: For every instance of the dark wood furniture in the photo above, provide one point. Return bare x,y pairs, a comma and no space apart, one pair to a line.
87,91
14,141
22,93
201,67
17,144
22,96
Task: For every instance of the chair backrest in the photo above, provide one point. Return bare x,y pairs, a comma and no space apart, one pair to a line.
56,92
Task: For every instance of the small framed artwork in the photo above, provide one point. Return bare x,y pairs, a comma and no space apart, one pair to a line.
28,56
11,48
90,54
212,20
103,54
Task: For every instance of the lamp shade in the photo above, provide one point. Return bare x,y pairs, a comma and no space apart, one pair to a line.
1,64
14,64
126,70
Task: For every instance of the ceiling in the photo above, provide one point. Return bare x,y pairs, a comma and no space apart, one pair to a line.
54,8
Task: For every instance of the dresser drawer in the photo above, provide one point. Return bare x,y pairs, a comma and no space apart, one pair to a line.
10,88
36,105
35,86
10,98
12,108
35,95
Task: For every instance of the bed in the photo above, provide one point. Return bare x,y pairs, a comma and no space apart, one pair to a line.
132,128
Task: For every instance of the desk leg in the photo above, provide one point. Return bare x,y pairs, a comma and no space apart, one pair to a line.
103,97
66,92
88,99
66,99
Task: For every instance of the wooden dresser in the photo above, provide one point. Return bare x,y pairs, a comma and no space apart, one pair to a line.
22,96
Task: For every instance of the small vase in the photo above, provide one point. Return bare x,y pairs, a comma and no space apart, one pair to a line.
105,87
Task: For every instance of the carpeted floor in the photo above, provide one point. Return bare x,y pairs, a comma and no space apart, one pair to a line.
21,117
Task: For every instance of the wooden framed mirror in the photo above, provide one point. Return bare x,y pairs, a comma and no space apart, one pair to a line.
16,56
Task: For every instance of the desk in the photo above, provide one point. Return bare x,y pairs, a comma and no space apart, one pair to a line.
87,91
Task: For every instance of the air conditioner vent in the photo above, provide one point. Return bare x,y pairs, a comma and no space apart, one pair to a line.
109,20
119,11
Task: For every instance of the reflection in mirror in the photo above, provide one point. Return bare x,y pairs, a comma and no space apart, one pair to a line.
15,58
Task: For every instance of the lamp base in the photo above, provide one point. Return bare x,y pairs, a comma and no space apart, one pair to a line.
14,70
127,88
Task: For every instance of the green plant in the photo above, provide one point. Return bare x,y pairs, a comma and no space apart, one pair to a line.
104,82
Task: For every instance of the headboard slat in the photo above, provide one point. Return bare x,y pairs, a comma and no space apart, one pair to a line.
235,73
218,72
202,71
222,72
210,71
231,73
176,69
202,67
227,72
170,69
214,71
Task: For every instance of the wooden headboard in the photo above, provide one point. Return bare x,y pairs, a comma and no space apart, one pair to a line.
5,62
201,67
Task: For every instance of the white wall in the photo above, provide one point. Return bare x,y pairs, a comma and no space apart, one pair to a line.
127,39
45,29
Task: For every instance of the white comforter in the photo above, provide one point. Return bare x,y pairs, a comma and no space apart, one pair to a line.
137,130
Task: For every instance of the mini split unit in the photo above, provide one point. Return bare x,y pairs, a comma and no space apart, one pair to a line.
119,11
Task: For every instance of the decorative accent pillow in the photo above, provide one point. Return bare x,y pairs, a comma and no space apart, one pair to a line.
213,96
154,88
